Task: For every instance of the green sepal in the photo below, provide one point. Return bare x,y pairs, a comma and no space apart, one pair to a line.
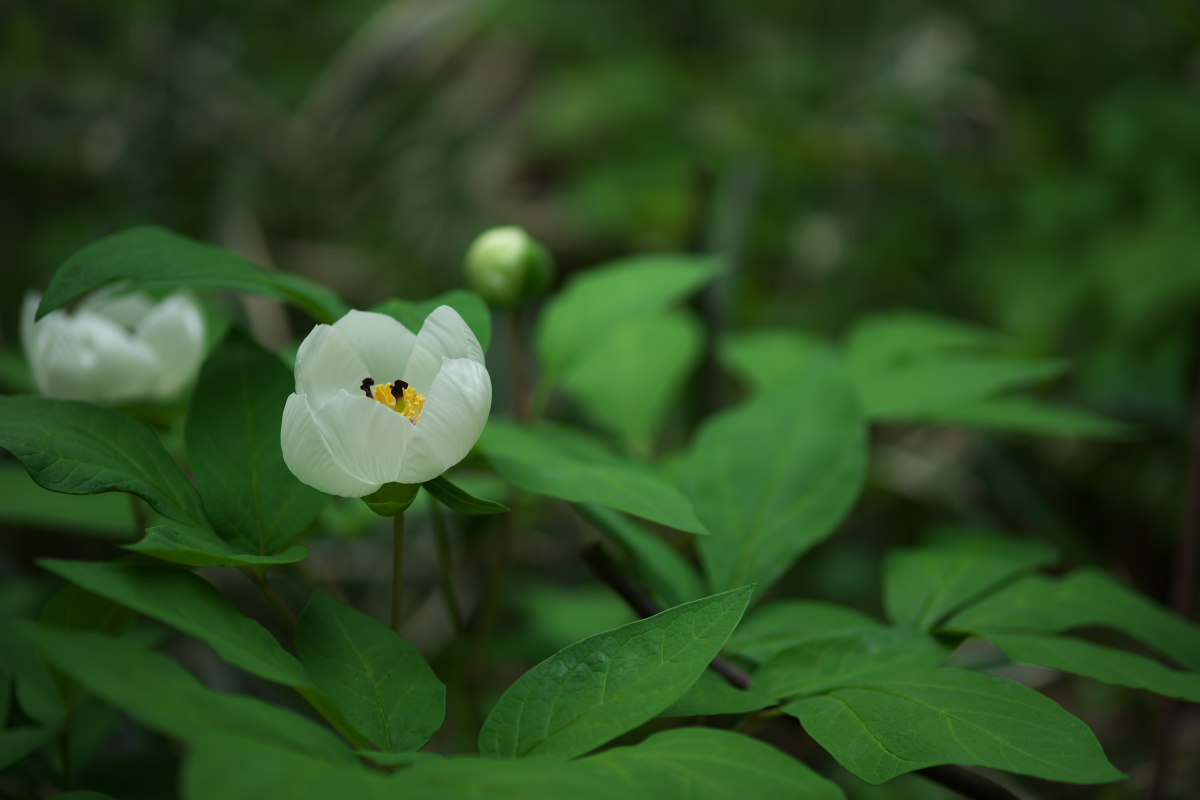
392,498
457,499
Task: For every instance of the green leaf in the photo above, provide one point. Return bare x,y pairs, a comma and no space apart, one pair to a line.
232,434
232,768
488,779
190,604
712,694
597,689
764,358
80,448
1028,416
924,584
951,716
457,499
785,624
1100,663
565,464
156,258
847,660
23,502
708,763
1084,598
925,369
200,547
470,306
627,380
164,696
924,388
74,608
34,687
775,476
16,743
668,574
376,679
595,301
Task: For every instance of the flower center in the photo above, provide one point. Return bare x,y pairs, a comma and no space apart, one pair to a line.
398,396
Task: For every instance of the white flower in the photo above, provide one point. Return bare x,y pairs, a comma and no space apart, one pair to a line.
115,347
376,404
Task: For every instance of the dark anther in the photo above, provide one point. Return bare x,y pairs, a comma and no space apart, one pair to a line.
366,386
398,388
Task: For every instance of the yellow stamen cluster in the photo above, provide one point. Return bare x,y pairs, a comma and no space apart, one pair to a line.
409,403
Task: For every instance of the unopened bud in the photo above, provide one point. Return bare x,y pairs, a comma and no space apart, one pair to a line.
506,265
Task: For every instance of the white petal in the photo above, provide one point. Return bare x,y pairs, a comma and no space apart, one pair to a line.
28,326
444,335
367,439
456,409
308,455
327,364
382,343
88,357
174,330
124,309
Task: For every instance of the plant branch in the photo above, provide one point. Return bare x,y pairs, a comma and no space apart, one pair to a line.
260,580
444,568
397,567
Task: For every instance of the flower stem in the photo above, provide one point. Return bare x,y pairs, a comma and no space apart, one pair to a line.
397,567
260,580
520,363
444,557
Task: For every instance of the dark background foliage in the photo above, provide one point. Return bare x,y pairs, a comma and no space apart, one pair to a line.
1031,167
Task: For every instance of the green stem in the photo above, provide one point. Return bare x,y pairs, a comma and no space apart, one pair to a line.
520,363
444,565
397,567
260,580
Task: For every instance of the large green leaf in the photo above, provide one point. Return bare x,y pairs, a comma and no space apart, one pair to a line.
775,476
190,604
81,448
627,380
712,694
763,358
605,685
924,584
707,763
235,769
23,502
470,306
1036,604
785,624
376,679
232,434
596,300
566,464
200,547
16,743
920,368
1099,663
1024,415
847,660
950,716
164,696
156,258
667,573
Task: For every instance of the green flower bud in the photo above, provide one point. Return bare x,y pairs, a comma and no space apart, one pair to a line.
506,265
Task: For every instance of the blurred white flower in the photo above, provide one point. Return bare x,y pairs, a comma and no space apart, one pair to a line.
376,403
114,348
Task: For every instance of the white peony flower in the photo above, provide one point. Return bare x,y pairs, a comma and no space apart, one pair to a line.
376,403
114,348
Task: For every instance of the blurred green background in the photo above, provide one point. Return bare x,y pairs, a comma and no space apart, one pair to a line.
1031,167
